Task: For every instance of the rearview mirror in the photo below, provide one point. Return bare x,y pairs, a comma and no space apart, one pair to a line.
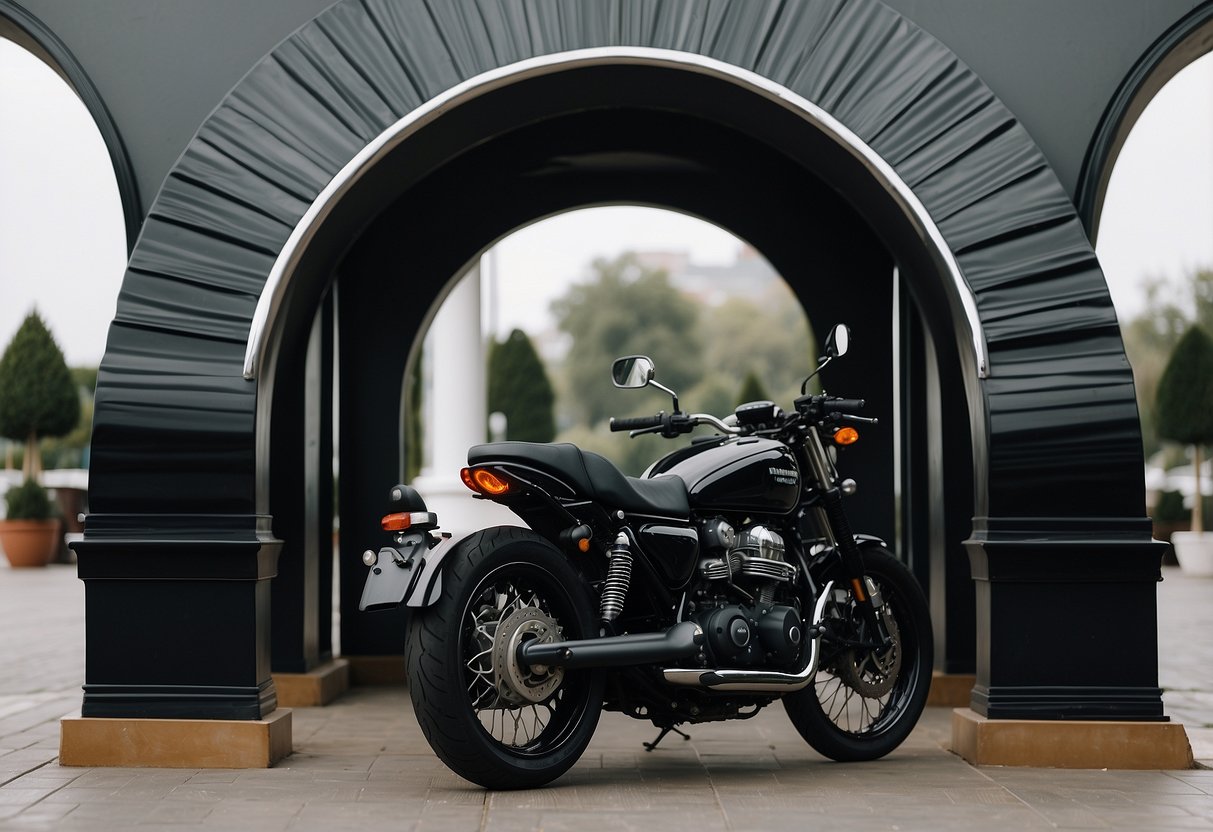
632,371
838,341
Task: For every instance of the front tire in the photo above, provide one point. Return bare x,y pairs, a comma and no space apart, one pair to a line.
864,703
498,725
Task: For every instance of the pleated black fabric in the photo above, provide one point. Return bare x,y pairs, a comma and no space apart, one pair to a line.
172,405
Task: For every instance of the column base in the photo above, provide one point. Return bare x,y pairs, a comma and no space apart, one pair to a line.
1055,743
377,670
948,690
175,743
314,688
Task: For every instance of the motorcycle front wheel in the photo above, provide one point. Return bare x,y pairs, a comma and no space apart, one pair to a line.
863,702
492,721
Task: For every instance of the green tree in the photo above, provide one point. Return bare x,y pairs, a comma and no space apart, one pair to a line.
1185,402
626,309
1150,336
37,395
519,388
751,390
69,451
768,336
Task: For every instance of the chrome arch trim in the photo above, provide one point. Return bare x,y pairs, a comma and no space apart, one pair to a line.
274,291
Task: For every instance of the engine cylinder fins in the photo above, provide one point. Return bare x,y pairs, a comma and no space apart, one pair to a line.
766,568
715,569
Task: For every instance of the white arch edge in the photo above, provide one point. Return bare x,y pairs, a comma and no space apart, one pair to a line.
274,291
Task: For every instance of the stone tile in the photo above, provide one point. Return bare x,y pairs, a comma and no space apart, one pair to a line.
48,814
362,763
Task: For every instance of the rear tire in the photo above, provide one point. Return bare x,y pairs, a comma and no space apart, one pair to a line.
862,705
484,733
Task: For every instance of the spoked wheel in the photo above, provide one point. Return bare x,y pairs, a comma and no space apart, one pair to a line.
864,701
497,722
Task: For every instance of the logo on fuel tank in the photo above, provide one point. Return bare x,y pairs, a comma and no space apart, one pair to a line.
783,476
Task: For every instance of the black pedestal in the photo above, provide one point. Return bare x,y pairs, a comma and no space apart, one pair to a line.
1066,618
177,616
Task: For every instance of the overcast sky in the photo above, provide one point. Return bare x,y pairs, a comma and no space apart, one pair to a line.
62,246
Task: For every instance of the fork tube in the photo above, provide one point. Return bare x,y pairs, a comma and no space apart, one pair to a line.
838,527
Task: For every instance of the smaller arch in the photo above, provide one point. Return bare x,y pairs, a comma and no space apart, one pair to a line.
1183,43
30,33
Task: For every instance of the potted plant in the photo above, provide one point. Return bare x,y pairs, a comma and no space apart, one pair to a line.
37,399
29,534
1185,414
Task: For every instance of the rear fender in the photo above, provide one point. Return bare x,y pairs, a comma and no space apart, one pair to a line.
409,573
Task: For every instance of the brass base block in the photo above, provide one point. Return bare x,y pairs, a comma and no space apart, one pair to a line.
1069,744
175,743
950,690
376,670
316,687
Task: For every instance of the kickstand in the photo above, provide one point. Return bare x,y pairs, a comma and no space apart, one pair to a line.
649,746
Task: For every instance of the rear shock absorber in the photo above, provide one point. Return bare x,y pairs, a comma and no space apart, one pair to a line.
619,577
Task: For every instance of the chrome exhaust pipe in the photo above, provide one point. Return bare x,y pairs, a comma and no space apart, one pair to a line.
758,681
679,642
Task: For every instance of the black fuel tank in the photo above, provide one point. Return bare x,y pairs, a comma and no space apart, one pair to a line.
751,475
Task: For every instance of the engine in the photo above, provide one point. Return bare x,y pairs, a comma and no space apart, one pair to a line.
752,562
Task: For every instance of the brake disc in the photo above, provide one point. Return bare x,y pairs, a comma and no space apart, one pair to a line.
516,684
872,672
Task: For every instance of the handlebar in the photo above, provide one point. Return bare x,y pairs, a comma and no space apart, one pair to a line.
670,424
637,422
844,405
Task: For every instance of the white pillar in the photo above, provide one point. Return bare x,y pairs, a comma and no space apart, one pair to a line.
455,411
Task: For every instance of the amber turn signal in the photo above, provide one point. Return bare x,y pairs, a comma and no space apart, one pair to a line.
397,522
484,482
846,436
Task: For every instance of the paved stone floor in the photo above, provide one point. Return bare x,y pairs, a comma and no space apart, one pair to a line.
362,764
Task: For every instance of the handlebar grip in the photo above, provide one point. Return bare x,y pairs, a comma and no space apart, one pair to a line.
636,423
844,405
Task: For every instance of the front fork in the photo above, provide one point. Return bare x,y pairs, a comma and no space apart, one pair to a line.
833,523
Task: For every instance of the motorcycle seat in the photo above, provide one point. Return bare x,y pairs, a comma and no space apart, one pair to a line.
592,476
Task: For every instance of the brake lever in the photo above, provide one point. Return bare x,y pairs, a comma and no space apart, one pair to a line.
847,418
655,429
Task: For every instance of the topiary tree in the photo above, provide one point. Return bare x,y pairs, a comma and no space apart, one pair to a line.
752,390
37,395
519,388
1185,402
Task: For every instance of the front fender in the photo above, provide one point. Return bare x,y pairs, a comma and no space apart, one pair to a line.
409,573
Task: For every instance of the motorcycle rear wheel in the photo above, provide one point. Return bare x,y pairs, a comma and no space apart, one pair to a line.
508,577
863,704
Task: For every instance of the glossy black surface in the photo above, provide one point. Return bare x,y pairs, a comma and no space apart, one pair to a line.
673,550
746,475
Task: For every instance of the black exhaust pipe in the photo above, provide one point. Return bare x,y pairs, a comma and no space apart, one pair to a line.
678,642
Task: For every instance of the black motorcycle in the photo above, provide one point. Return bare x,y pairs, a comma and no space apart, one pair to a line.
724,579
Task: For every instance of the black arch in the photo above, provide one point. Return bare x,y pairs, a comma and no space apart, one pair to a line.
17,24
1184,42
254,167
174,453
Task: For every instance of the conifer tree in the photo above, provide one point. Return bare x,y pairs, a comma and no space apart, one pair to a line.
752,390
519,388
1185,402
37,395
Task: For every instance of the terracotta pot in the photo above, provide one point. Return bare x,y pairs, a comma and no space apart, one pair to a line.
1195,552
29,542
